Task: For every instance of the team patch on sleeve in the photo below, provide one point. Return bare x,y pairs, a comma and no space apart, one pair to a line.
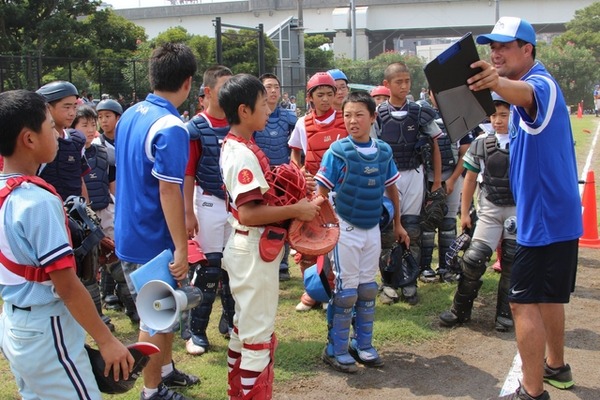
245,176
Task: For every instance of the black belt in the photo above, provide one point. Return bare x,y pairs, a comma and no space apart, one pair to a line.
14,307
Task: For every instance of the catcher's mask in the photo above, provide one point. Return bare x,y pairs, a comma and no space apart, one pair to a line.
402,266
287,185
316,280
387,214
140,351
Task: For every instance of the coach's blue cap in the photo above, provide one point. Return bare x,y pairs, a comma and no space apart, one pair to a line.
508,29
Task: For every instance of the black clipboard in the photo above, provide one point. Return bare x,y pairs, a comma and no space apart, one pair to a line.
461,109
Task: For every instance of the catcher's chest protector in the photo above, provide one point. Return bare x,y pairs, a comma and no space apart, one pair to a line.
319,138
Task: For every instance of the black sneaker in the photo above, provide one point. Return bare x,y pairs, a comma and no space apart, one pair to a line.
449,319
164,393
284,275
179,378
521,394
560,378
428,275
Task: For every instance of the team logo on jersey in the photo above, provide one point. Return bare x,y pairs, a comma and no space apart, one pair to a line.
245,176
371,170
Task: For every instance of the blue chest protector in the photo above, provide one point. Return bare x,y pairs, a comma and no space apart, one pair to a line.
358,196
208,171
97,180
64,172
401,130
274,138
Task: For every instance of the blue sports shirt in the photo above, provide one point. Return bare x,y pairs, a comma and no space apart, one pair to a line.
152,145
543,168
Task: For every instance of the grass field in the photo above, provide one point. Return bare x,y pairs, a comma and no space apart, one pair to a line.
303,335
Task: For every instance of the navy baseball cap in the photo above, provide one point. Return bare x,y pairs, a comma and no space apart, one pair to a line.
508,29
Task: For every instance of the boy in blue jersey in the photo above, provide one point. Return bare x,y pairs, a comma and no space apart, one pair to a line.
359,170
151,152
47,311
544,182
273,141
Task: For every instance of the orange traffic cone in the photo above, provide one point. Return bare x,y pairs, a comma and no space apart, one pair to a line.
590,219
579,110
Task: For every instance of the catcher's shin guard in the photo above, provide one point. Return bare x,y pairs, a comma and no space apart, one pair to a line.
116,271
107,289
263,386
207,280
339,320
427,245
413,227
228,303
446,236
504,320
361,346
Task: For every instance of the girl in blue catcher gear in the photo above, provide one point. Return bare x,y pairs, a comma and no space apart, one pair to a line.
360,170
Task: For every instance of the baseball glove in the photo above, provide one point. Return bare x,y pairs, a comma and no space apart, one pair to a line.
316,237
434,209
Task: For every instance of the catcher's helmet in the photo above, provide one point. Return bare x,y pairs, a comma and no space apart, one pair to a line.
110,105
57,90
337,74
287,185
387,213
320,79
140,351
381,91
316,280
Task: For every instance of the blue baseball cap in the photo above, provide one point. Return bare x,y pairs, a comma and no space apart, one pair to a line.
508,29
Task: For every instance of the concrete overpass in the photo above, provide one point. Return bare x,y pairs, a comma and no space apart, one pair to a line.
381,25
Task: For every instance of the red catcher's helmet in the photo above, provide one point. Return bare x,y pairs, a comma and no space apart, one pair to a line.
287,185
381,91
320,79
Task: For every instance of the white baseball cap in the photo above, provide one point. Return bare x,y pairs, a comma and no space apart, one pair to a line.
508,29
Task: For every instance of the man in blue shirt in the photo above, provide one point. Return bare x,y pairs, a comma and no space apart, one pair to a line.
543,179
151,151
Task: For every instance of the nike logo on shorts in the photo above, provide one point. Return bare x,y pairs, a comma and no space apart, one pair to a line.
513,291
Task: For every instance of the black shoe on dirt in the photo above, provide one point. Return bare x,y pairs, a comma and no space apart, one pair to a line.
179,378
521,394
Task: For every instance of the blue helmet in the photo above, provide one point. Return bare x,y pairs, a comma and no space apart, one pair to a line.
337,74
387,214
316,280
110,105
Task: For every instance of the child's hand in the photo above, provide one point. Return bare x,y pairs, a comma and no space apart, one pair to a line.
465,221
117,357
402,235
306,210
311,183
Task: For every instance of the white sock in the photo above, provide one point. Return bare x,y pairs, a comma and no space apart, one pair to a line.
166,369
149,392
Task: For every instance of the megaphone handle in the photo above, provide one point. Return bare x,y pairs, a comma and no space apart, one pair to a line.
184,282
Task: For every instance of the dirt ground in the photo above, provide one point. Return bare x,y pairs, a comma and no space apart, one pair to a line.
471,361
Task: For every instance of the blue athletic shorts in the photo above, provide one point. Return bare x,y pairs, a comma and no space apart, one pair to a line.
544,274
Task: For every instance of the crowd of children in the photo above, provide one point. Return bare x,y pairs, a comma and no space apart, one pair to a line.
206,179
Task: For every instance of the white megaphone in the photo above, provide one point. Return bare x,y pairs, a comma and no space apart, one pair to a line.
159,304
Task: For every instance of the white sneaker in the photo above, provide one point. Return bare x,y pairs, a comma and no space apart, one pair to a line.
388,295
303,307
194,349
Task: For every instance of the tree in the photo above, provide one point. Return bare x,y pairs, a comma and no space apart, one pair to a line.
240,51
574,68
317,59
583,31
